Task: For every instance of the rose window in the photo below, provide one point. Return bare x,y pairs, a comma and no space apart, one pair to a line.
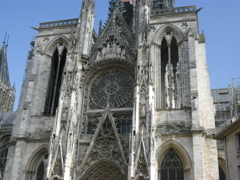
113,89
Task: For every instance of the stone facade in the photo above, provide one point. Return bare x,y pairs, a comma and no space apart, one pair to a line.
7,97
118,105
231,140
7,93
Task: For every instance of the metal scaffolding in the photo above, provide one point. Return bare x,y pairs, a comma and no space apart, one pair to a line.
234,95
162,4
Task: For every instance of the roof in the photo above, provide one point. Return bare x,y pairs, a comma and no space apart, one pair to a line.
4,75
232,127
8,117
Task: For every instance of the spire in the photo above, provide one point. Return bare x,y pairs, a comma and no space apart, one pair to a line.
7,41
86,3
3,62
86,24
5,38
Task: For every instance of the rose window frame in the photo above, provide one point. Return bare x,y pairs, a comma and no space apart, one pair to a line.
112,88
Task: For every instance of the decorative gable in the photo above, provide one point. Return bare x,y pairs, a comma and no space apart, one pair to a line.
115,41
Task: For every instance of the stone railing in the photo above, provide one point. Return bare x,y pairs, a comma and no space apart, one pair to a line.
59,23
155,11
6,127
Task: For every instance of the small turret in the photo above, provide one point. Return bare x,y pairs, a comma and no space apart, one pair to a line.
86,26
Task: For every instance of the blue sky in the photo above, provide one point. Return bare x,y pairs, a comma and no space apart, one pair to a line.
220,20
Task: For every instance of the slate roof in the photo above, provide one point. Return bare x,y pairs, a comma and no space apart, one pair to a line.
8,117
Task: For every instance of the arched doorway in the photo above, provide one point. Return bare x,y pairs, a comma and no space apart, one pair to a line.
104,170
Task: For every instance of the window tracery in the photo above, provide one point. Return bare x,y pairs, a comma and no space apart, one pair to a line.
124,123
40,171
170,74
55,79
113,89
172,167
3,160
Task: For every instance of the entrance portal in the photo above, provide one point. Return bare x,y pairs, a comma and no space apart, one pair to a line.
104,170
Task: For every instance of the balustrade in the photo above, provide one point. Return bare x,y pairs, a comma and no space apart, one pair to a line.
59,23
173,10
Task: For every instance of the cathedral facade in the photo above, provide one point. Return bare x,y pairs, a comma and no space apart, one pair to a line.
7,97
132,102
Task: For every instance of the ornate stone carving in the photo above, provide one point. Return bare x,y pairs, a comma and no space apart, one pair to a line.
142,170
113,89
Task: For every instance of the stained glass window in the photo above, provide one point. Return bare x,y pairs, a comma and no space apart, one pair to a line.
40,171
3,160
172,167
113,89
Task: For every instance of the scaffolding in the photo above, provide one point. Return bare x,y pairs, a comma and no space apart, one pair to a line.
124,6
162,4
234,95
227,104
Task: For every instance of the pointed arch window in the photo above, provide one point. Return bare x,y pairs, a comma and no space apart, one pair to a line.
55,80
171,167
221,174
40,171
113,89
3,160
170,75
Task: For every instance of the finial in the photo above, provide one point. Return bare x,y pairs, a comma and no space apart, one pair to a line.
100,27
5,38
14,88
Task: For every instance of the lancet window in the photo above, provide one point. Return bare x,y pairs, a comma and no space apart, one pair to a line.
3,160
170,75
55,80
221,174
124,123
171,167
40,171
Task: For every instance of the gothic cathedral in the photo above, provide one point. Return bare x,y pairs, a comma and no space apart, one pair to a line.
131,102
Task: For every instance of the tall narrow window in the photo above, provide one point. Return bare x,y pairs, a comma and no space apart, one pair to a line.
170,75
40,172
54,83
113,89
221,174
3,160
172,167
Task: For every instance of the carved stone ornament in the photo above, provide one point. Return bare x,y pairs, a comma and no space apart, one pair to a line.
113,89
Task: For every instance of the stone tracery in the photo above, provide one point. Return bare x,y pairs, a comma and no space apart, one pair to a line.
113,89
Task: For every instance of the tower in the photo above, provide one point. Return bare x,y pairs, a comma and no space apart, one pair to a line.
7,93
7,97
132,102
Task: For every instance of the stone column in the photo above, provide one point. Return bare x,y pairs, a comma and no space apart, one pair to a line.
187,174
157,52
17,166
198,158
